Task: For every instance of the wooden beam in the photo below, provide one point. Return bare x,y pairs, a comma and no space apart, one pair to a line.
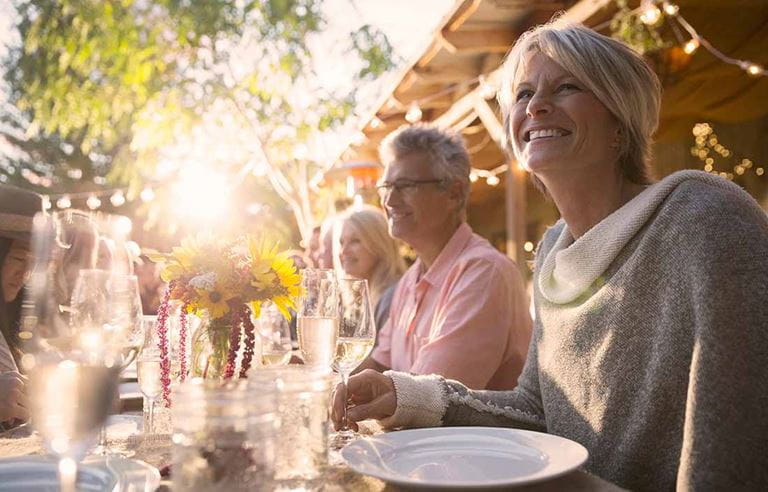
514,200
489,119
479,41
463,13
446,74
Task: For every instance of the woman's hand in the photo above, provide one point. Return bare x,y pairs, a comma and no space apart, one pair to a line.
13,397
371,396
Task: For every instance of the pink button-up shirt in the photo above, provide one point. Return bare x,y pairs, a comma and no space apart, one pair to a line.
465,318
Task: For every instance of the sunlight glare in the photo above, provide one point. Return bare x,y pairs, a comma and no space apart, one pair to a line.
201,194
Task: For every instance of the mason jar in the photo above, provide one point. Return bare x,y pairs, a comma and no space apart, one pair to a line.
223,436
303,401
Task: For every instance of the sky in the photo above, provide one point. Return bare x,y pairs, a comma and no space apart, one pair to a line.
408,24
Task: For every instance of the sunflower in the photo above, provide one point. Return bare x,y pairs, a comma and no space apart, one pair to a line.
214,301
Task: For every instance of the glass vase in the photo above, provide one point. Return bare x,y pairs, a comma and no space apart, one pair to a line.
210,347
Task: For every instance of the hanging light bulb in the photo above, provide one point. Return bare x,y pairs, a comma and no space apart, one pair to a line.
117,198
691,46
487,91
752,69
671,8
493,180
375,122
473,176
359,138
147,195
93,202
413,115
47,203
63,202
651,14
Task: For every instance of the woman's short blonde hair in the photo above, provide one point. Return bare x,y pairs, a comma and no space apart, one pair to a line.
618,77
371,225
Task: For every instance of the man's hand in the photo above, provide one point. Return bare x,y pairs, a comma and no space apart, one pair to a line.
371,396
13,397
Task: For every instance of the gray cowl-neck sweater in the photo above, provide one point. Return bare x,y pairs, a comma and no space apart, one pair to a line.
650,346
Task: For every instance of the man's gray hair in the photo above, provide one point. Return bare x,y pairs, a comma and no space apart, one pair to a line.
447,152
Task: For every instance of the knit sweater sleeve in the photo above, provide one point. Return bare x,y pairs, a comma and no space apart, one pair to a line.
725,418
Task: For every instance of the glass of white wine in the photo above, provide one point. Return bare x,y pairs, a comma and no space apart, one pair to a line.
357,333
275,333
317,326
73,375
148,370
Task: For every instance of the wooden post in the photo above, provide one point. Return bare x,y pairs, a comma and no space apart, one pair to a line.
515,205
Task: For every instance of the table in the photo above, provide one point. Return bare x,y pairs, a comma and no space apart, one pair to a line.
156,451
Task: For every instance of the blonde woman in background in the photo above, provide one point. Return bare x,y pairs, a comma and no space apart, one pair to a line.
364,249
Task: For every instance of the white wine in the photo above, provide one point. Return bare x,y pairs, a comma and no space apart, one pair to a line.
149,377
350,352
317,339
275,358
70,401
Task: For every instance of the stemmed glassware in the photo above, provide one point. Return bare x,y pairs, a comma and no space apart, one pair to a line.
124,334
275,334
357,333
148,370
73,373
318,317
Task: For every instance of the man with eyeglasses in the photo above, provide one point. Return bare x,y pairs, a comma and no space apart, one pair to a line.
460,310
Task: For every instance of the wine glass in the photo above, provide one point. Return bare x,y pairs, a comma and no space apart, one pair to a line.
275,333
318,317
148,369
126,337
72,374
357,333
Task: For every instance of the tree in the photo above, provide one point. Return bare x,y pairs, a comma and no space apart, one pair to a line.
118,82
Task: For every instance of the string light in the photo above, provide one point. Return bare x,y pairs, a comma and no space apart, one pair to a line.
63,202
117,199
375,122
670,8
492,180
413,115
650,14
707,148
147,195
93,202
528,246
487,90
691,46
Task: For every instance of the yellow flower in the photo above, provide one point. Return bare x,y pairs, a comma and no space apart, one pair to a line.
286,271
214,301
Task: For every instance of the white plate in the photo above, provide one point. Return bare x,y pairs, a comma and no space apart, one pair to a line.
459,457
112,474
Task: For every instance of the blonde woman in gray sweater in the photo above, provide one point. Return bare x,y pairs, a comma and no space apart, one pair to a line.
650,346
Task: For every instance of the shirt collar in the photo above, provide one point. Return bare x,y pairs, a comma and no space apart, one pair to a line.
448,255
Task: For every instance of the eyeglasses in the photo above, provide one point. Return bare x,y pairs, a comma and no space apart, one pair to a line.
405,186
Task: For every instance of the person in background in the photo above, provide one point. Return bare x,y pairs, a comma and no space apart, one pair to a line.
365,250
17,209
650,341
312,249
460,309
325,251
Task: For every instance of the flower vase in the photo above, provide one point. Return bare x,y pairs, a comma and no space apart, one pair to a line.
210,347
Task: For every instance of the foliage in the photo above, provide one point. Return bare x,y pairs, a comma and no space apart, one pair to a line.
627,27
116,82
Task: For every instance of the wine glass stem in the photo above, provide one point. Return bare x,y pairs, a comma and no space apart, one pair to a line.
103,438
344,382
67,474
151,420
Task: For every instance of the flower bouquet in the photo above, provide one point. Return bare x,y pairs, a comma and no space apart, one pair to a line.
225,283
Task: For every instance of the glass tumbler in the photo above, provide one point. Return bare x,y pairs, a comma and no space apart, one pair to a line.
303,399
223,437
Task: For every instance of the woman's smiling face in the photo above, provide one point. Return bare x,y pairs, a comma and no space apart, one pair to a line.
557,124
